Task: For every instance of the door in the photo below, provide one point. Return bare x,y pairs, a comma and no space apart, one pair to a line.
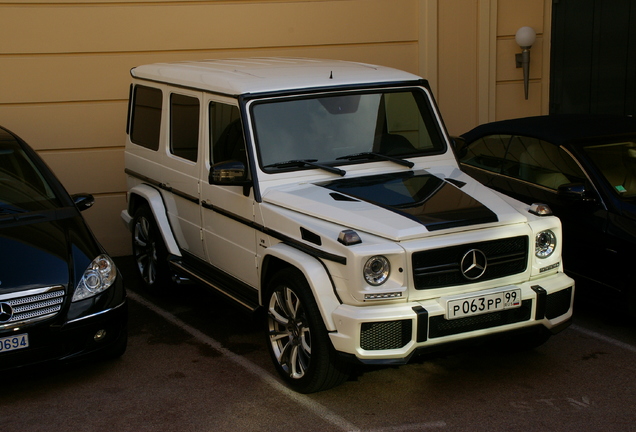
180,171
227,213
593,57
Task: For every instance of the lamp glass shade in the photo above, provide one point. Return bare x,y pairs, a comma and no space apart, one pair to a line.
525,36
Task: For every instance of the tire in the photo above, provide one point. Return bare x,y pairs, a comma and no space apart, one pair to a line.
297,338
150,252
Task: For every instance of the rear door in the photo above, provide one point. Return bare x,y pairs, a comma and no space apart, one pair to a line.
180,172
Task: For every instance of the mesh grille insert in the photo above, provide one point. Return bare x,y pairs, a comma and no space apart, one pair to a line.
439,268
385,335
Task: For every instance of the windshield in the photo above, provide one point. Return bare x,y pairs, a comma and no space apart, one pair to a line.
617,163
22,187
339,129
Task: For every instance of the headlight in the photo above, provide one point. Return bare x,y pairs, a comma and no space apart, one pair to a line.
545,244
377,270
97,278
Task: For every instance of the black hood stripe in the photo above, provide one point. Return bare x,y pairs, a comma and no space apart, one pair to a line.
419,196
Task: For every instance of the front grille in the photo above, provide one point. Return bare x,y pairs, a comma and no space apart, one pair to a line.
558,303
438,268
439,326
385,335
36,305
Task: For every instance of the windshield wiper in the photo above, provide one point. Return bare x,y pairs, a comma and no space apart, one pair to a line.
309,162
373,155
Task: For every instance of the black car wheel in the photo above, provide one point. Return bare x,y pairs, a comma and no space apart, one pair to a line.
149,251
297,337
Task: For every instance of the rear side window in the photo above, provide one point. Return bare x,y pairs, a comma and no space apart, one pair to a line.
184,126
146,117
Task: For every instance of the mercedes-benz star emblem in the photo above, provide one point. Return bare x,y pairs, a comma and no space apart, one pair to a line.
6,312
474,264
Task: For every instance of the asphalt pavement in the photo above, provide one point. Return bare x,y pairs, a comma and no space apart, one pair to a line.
196,363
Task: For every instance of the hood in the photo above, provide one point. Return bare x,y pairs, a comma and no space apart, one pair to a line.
400,206
42,251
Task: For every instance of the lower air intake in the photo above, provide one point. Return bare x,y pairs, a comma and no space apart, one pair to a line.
386,335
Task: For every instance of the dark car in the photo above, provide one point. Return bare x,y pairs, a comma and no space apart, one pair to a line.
61,297
584,168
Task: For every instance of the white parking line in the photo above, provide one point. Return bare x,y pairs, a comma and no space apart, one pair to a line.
604,338
318,409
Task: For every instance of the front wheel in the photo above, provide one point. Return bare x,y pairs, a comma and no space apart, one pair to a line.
149,251
297,338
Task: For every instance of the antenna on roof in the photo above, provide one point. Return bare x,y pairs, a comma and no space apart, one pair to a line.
331,75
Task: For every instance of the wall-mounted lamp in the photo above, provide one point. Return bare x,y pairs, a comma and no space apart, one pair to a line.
525,38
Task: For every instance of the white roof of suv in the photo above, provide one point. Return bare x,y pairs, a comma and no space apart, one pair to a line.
259,75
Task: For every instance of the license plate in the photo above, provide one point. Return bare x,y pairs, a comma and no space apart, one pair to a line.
12,343
484,303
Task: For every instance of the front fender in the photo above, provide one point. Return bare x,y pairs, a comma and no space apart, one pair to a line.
317,277
154,200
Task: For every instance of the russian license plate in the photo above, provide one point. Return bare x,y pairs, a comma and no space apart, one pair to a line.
12,343
484,303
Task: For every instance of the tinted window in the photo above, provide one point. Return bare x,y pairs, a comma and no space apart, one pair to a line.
524,158
617,163
226,134
488,153
184,126
541,163
146,117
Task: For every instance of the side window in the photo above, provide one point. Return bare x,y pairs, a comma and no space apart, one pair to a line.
542,163
184,126
488,153
226,134
146,117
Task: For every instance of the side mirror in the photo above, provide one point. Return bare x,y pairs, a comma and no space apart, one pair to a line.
574,192
231,173
83,201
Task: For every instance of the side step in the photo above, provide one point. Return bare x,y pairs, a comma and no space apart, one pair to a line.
192,270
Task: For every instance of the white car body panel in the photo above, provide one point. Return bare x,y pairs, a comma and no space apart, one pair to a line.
293,217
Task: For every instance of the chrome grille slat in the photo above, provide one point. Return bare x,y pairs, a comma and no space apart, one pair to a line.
42,313
34,298
39,305
33,305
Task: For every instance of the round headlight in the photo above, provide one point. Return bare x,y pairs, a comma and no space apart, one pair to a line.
545,244
377,270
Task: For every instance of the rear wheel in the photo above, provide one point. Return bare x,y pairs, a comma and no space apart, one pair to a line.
297,338
149,251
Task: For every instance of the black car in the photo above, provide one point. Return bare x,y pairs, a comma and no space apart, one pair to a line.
61,297
584,168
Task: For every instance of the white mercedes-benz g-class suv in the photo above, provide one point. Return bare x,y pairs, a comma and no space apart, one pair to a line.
326,193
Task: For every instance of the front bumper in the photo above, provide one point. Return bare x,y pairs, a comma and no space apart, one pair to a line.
392,333
72,340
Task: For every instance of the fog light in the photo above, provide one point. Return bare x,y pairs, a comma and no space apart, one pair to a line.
101,334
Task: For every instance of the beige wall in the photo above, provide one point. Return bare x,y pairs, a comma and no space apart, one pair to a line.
64,65
478,79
